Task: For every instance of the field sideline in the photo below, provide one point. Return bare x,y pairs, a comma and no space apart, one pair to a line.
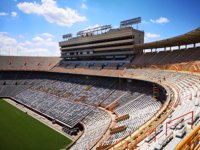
23,132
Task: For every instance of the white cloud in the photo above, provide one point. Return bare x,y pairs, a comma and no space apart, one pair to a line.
52,13
149,37
160,20
84,6
3,14
47,35
21,36
5,40
37,46
3,33
38,39
25,43
13,14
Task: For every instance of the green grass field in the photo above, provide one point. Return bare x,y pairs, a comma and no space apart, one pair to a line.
19,131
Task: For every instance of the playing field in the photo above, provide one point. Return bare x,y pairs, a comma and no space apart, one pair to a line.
19,131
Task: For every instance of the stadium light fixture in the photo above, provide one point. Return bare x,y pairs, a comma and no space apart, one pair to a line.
130,22
67,36
93,30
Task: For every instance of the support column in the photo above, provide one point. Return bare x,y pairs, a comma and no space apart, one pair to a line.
155,91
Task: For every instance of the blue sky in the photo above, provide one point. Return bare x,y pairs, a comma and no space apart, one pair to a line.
35,27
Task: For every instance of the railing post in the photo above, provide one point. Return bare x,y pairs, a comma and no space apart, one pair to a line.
192,120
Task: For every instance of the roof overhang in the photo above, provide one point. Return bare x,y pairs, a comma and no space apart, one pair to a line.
185,39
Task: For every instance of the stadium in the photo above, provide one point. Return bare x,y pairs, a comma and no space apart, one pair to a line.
108,90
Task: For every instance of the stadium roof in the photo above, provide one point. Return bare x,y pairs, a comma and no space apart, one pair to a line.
185,39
